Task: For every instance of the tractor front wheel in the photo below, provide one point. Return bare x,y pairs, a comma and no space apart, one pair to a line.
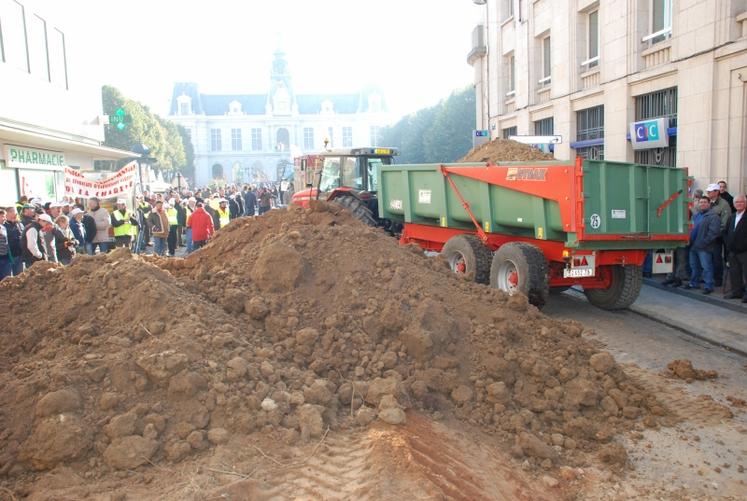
357,208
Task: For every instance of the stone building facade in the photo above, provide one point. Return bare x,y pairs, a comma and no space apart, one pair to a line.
252,138
595,71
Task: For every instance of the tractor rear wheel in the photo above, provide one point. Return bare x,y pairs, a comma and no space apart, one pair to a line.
521,267
469,257
357,208
622,292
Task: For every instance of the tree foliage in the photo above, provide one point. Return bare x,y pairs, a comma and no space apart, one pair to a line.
168,142
440,133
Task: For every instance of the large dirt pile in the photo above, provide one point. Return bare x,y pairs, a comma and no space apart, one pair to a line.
294,323
504,150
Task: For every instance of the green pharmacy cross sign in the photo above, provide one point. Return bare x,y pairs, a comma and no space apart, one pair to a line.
119,119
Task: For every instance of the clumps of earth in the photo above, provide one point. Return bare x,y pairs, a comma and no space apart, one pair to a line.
294,324
683,369
505,150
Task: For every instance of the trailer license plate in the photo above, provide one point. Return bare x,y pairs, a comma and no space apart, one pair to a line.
578,272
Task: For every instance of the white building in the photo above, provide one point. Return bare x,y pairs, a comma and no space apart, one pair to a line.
253,137
588,69
49,117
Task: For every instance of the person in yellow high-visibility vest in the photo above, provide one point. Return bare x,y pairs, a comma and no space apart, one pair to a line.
224,215
171,213
124,223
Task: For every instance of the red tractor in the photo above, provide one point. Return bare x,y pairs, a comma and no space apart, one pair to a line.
346,176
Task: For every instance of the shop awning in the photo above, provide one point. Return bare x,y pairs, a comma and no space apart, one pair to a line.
20,136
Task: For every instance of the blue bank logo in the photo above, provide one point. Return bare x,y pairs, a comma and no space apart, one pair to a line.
647,131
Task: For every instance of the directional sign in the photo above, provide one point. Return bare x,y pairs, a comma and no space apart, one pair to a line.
537,139
119,119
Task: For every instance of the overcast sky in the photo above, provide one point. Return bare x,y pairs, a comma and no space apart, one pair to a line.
415,50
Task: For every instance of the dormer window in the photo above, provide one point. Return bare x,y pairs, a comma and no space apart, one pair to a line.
281,101
184,104
234,108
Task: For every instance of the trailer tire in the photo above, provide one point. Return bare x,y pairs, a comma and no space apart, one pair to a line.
467,255
521,267
357,208
622,292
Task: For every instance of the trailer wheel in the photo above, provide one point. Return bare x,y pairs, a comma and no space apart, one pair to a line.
357,208
622,292
521,267
468,256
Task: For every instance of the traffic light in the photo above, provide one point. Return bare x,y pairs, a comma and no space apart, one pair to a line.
119,119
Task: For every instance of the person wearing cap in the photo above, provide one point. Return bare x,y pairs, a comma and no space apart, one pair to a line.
77,227
33,240
233,207
24,200
224,216
14,229
54,209
67,208
124,223
158,221
721,208
102,238
28,215
703,239
50,237
735,238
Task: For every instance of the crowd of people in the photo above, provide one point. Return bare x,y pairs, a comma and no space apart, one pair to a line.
33,230
718,244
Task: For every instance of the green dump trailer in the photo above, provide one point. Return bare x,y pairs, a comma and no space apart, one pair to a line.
541,226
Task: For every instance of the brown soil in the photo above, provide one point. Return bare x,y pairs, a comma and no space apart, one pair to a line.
286,328
683,369
504,150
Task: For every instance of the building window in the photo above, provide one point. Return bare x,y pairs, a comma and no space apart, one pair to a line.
661,21
215,140
511,75
58,58
590,125
659,104
509,131
256,139
592,44
38,50
374,136
544,127
14,35
347,137
331,136
236,139
507,9
308,138
546,62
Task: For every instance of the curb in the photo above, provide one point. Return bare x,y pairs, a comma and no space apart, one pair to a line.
722,303
685,330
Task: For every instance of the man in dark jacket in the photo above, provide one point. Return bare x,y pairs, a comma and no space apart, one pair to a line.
703,240
233,207
14,229
250,202
735,238
89,225
79,231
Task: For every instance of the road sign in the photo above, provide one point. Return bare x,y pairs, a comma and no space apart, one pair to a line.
119,119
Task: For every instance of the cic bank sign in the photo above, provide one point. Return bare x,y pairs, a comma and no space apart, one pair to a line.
649,134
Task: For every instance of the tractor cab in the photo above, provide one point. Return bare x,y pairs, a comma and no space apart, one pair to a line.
339,172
